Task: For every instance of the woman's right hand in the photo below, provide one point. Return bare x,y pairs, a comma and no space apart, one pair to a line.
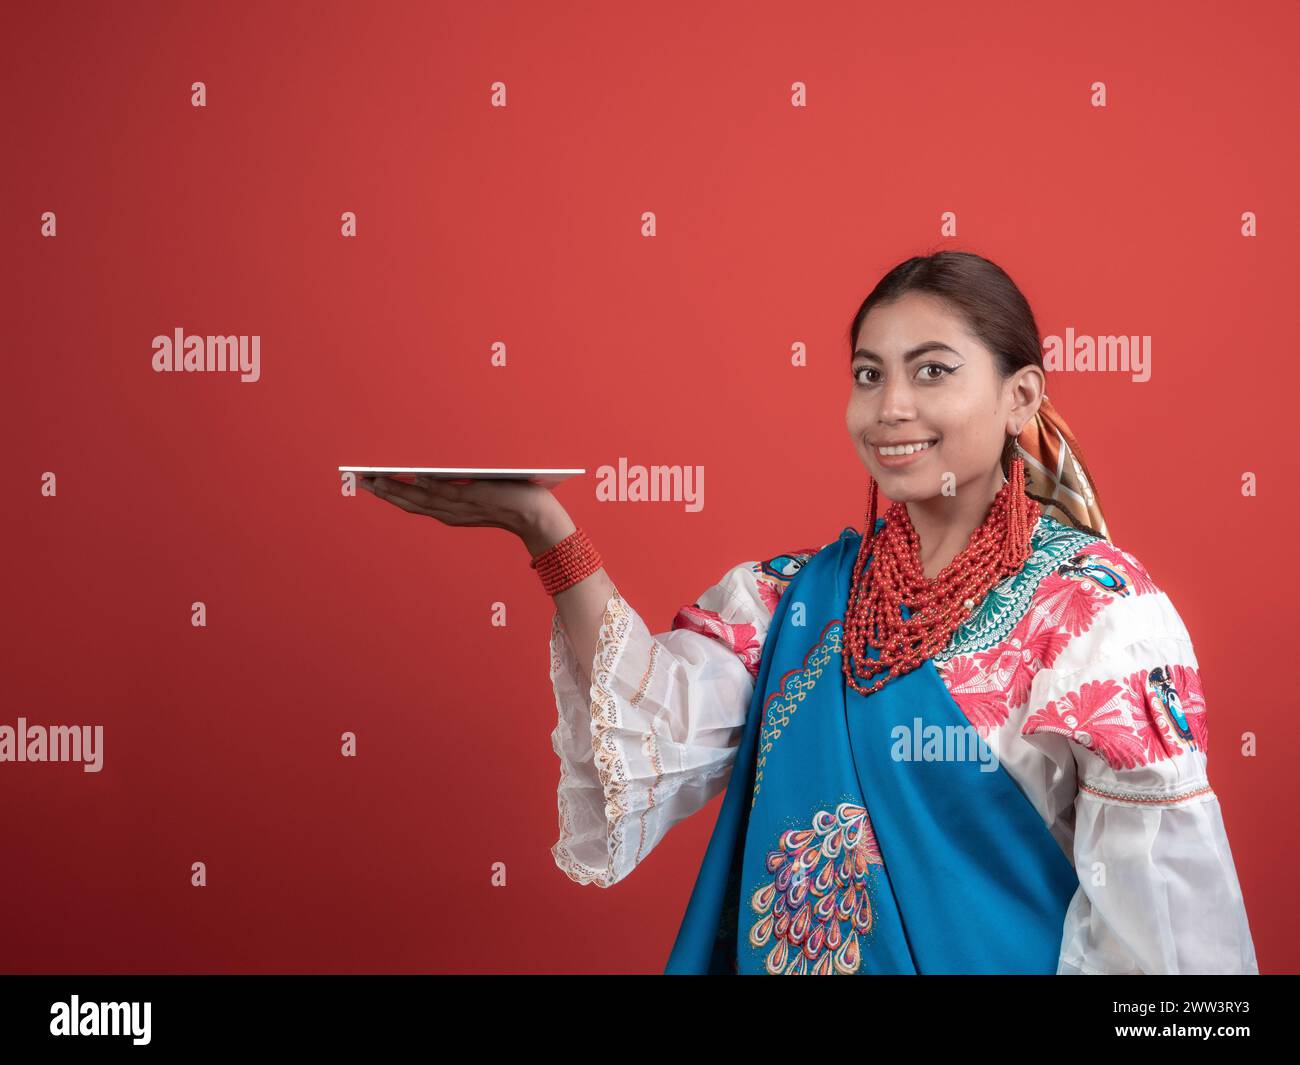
528,510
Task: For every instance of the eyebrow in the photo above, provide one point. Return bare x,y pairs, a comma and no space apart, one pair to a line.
914,353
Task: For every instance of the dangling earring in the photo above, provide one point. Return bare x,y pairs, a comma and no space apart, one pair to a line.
1022,512
873,498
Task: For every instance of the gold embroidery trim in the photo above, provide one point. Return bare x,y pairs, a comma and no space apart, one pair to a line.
609,764
790,692
651,740
1152,800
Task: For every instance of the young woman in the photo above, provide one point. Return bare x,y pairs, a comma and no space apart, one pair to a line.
970,739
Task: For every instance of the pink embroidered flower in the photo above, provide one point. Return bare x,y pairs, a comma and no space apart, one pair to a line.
1063,607
770,593
1126,722
1191,692
979,691
1150,722
741,638
989,683
1096,716
1153,721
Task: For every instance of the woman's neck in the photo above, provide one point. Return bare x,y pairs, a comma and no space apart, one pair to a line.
945,524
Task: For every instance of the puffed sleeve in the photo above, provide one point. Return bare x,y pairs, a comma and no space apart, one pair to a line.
654,736
1158,889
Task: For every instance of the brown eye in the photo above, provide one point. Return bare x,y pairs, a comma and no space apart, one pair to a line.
938,366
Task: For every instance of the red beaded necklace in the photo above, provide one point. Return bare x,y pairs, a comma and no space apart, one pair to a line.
997,549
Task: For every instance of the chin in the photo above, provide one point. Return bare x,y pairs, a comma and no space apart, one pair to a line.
897,490
894,484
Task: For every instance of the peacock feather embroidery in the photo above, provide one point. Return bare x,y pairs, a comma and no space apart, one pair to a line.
816,910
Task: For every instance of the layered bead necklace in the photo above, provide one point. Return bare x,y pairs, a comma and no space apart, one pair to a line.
997,549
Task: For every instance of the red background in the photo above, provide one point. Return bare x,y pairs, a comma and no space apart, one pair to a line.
522,224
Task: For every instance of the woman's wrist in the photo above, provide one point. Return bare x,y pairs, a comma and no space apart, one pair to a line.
545,530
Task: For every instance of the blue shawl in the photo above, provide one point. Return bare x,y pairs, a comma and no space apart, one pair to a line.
867,834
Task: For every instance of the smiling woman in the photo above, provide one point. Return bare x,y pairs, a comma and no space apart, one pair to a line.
947,358
1042,685
988,603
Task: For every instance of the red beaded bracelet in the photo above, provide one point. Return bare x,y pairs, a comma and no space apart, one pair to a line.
565,564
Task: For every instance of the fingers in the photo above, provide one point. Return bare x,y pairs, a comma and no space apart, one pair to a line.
407,505
386,486
440,485
412,498
401,496
408,497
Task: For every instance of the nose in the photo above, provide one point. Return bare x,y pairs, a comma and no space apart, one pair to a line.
896,400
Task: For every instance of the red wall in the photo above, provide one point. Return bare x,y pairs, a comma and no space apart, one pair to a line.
522,224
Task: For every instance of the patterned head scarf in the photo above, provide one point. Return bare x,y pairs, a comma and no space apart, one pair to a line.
1056,474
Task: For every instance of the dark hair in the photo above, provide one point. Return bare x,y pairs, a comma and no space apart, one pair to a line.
994,309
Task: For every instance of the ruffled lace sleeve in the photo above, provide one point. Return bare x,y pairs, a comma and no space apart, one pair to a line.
654,737
1158,889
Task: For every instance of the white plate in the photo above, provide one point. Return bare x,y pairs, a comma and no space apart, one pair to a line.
546,477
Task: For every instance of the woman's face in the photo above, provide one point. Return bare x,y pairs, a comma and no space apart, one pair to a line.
948,393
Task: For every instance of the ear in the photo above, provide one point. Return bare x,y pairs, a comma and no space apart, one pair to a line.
1025,388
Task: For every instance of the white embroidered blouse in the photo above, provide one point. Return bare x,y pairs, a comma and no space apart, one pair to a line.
1075,700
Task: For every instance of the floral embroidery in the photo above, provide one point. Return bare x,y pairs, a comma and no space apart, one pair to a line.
989,684
1094,716
1191,688
1068,602
1147,717
816,913
770,593
739,637
1170,701
772,576
1004,607
1152,715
